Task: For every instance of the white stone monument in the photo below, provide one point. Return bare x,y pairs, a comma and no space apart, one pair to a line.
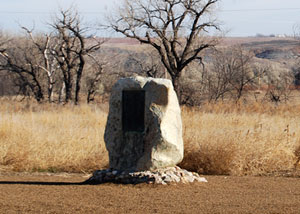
143,135
144,128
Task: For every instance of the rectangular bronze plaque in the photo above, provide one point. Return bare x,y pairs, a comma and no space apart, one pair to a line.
133,110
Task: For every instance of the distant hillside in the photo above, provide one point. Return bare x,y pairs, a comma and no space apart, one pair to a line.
121,41
263,47
281,50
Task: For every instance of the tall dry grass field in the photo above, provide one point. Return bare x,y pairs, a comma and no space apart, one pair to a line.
52,138
219,139
254,139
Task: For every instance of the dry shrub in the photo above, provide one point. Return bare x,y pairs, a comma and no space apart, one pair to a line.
208,159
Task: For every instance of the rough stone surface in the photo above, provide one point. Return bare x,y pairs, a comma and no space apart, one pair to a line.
159,176
160,142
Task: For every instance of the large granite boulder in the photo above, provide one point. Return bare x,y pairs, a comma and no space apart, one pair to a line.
144,128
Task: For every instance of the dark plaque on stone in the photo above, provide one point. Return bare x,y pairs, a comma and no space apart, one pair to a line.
133,110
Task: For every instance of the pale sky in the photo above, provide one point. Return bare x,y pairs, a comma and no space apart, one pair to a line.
239,17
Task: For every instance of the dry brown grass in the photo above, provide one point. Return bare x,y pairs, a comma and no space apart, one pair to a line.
230,139
254,139
52,138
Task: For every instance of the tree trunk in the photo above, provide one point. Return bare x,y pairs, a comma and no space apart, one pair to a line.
68,88
176,85
68,85
77,89
50,89
62,92
78,79
39,95
37,89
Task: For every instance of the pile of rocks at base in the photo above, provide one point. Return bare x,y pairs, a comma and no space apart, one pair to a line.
160,176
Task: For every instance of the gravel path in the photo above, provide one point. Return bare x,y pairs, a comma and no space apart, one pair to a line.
41,193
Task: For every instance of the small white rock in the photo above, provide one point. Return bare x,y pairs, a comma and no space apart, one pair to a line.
201,179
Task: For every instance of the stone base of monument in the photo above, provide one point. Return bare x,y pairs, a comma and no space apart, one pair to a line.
160,176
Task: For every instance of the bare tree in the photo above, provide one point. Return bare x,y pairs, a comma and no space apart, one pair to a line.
217,78
148,63
72,48
94,77
176,29
48,63
231,72
240,71
280,87
21,59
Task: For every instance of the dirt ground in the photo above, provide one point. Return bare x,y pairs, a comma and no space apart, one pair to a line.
43,193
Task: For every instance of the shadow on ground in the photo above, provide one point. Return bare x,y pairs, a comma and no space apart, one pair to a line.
44,183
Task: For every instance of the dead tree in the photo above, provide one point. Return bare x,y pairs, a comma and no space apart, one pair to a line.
239,70
217,78
49,65
174,28
232,72
94,78
20,58
71,50
280,87
148,63
241,74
